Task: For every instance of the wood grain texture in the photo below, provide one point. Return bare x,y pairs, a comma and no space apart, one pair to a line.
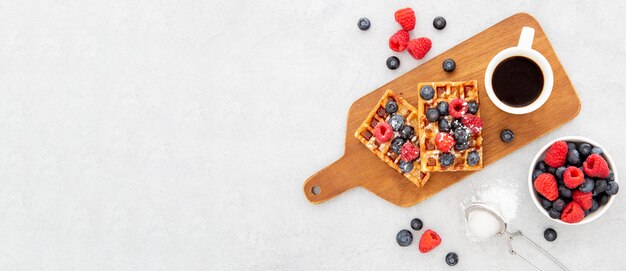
359,167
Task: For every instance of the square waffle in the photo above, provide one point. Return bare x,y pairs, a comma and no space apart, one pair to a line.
430,155
365,134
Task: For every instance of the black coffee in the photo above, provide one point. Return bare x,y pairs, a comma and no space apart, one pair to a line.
517,81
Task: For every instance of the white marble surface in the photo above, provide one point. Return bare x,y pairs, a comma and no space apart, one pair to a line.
176,135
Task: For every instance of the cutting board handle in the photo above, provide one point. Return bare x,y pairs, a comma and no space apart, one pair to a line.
330,181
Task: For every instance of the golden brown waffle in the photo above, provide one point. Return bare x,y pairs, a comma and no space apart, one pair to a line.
365,133
447,91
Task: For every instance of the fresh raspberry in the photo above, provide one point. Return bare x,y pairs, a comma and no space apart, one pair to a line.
585,200
556,154
572,213
545,185
444,141
399,40
383,132
457,108
573,177
596,166
409,152
419,47
473,122
429,240
406,18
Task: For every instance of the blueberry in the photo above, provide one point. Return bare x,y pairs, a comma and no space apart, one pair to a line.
456,124
551,170
432,115
573,157
449,65
545,203
472,107
571,146
407,131
597,150
549,234
427,92
442,107
560,181
364,24
536,174
404,238
396,121
452,259
446,159
594,206
405,166
461,135
473,158
439,23
584,149
393,62
554,213
603,199
391,107
559,172
587,185
541,166
461,146
396,144
444,125
417,224
601,186
565,192
558,204
611,176
613,188
587,212
507,136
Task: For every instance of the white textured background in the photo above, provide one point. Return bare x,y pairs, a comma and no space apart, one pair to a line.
176,135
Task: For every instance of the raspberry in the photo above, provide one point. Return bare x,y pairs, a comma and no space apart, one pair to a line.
457,108
419,47
409,152
556,154
444,142
596,166
383,132
473,122
429,240
572,213
573,177
399,40
406,18
585,200
545,185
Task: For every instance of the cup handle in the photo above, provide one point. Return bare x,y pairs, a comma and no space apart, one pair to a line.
526,38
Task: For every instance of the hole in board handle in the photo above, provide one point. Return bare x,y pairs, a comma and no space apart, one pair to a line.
315,190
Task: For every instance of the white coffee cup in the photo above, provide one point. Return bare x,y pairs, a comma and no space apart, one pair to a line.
523,49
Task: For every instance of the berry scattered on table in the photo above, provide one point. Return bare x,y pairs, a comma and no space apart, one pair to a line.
449,65
409,152
473,158
416,224
429,241
444,142
404,238
546,185
472,107
399,40
427,92
432,114
442,107
393,62
452,259
383,132
391,107
439,23
596,166
446,159
419,47
549,234
396,121
364,24
572,213
556,154
457,108
406,18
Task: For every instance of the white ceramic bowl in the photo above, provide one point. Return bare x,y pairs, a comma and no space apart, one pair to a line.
540,156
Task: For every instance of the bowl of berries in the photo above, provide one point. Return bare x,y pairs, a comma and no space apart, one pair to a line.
573,180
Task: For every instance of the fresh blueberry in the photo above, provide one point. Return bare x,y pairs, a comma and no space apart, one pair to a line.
396,121
472,107
549,234
594,205
461,146
442,107
461,135
536,174
407,131
545,203
558,204
551,170
364,24
405,166
597,150
600,186
554,213
446,159
603,199
432,115
507,136
452,259
560,181
449,65
391,107
565,192
393,62
559,172
587,185
613,188
573,157
427,92
456,123
541,166
473,158
404,238
611,176
439,23
571,146
444,125
584,149
396,144
417,224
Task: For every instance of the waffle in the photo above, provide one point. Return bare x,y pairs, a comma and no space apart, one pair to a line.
365,134
447,91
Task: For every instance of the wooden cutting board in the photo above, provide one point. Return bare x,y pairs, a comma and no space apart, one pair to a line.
359,167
